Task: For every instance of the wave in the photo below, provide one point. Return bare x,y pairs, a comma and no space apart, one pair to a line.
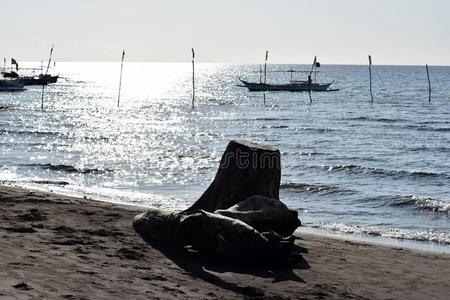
356,169
427,128
314,189
423,203
51,182
382,120
70,169
32,132
423,126
395,233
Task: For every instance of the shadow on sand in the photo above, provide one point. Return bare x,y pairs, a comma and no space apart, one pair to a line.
202,266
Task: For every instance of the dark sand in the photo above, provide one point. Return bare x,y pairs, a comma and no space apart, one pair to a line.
57,247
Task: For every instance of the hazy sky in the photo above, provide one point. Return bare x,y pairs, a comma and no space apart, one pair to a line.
338,31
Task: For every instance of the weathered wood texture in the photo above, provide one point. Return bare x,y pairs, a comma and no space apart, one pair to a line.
246,169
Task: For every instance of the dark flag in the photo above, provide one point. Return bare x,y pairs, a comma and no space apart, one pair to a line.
267,54
370,60
123,54
193,53
14,62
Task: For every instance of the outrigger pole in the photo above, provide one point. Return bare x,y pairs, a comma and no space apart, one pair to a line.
120,78
45,77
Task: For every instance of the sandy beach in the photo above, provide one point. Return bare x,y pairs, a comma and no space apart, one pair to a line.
58,247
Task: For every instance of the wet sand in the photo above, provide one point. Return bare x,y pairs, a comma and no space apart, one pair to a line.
58,247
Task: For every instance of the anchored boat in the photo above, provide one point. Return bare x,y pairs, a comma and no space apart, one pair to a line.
292,86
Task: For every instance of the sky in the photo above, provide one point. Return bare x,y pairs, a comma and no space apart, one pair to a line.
398,32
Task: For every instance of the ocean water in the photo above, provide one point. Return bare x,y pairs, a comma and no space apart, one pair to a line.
375,169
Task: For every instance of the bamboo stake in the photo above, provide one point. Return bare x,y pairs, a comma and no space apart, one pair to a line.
120,78
45,77
310,79
370,78
193,78
429,84
265,75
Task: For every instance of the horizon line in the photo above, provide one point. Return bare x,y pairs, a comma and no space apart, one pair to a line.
235,63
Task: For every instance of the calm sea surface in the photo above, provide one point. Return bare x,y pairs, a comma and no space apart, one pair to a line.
381,169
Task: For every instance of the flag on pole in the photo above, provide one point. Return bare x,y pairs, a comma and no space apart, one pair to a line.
193,53
14,62
123,54
267,54
370,60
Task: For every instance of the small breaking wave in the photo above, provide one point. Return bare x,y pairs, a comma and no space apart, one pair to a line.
314,189
382,120
70,169
356,169
31,132
394,233
423,203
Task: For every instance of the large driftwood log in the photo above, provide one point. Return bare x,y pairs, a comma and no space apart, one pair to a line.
239,215
264,214
220,235
246,169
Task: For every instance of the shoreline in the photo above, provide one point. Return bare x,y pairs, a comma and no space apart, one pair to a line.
418,245
55,246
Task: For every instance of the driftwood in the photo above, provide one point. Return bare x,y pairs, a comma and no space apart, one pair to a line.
238,216
246,169
264,214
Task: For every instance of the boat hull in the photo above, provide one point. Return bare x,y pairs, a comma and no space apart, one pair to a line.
41,80
290,87
11,86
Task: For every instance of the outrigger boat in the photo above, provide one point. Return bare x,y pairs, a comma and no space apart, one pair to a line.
41,79
292,85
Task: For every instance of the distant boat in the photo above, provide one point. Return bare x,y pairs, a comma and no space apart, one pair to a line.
11,86
38,80
32,80
292,86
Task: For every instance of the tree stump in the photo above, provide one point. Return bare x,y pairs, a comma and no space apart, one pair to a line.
246,169
238,216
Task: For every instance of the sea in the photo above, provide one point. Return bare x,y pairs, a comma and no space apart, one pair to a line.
350,166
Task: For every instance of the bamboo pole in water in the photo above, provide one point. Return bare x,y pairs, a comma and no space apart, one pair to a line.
429,83
45,77
120,78
370,78
265,75
193,78
310,79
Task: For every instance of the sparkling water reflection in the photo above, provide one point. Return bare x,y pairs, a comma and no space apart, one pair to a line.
347,164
